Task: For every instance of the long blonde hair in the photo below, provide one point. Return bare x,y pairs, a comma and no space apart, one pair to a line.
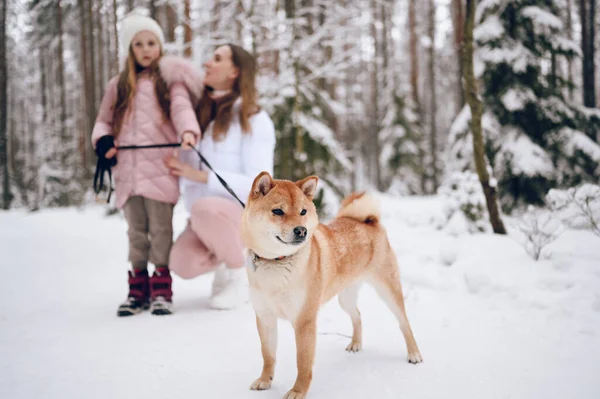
126,88
244,86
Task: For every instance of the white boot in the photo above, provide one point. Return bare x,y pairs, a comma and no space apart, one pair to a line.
235,291
220,280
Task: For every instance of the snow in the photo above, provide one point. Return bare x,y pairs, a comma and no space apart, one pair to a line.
517,98
489,321
514,54
324,135
575,140
543,20
524,156
490,29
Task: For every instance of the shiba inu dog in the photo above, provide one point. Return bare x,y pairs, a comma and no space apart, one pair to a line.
296,264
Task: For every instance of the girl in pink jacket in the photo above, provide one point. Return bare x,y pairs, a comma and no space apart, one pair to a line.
151,101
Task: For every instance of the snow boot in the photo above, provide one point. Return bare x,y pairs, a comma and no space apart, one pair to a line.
161,293
139,294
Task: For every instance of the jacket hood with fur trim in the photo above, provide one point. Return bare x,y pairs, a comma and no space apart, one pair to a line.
175,69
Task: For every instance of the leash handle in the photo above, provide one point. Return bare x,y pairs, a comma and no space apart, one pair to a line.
202,159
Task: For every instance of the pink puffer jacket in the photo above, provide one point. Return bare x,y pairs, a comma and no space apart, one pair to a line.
143,172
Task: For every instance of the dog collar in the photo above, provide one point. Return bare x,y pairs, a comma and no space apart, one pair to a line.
254,257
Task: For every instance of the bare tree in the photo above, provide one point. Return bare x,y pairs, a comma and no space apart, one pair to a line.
115,34
372,140
474,101
570,36
187,30
60,76
171,23
433,98
414,82
587,11
100,45
93,94
458,25
6,194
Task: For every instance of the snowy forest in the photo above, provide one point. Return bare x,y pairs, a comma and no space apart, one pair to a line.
367,94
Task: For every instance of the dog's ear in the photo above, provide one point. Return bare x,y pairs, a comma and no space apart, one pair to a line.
308,186
263,183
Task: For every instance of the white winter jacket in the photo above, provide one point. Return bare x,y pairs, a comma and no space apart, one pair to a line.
238,158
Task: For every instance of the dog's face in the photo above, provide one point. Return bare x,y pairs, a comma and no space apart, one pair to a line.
280,216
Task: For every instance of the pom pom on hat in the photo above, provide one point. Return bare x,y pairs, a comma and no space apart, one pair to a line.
136,21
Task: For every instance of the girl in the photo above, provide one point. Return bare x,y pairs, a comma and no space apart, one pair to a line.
149,102
239,143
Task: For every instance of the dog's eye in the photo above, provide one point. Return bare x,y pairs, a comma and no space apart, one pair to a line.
303,212
277,212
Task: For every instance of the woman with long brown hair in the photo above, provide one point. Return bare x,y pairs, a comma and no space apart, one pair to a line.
239,142
151,101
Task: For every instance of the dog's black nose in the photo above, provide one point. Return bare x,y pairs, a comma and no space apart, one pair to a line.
300,231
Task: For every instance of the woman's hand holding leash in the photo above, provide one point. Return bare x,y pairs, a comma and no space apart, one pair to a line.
188,140
183,169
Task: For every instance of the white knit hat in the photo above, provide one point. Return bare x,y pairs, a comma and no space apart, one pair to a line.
136,21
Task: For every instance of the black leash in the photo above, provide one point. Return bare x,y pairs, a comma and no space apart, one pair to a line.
100,171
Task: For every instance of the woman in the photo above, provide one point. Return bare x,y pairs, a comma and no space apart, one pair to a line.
239,142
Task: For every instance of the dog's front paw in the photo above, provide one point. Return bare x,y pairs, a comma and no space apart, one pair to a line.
415,357
354,346
292,394
261,384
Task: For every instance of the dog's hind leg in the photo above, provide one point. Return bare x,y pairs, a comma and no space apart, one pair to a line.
386,281
267,331
348,299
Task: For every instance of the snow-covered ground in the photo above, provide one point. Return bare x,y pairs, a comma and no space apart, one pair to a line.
492,324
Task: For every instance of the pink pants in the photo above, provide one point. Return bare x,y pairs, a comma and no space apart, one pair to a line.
211,237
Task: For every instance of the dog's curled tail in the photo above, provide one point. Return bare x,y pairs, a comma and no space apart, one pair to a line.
361,207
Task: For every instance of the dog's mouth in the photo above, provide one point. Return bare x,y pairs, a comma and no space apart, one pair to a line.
297,241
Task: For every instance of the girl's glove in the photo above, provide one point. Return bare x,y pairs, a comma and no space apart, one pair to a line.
103,145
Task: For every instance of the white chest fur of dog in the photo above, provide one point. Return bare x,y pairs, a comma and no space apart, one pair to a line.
297,264
274,288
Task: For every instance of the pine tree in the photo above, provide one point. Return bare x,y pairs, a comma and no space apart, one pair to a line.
535,139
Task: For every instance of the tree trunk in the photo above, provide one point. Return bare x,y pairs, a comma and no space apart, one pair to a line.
92,62
433,99
115,32
101,49
472,97
373,138
458,24
587,12
553,71
86,83
570,36
187,30
153,8
414,84
130,4
171,23
239,24
387,44
214,20
43,86
7,196
60,78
